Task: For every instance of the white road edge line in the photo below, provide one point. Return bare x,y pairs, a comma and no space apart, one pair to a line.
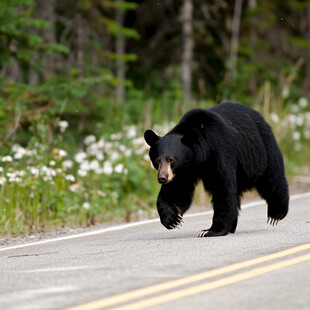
125,226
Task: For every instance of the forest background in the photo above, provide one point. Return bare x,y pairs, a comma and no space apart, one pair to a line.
80,80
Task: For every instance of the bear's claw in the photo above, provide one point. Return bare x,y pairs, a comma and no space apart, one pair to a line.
211,233
177,224
272,221
202,233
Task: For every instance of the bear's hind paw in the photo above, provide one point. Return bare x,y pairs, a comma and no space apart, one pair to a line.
272,221
202,233
211,233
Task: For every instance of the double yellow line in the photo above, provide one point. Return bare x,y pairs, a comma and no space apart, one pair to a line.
196,289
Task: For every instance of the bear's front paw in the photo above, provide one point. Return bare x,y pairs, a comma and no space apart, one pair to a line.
172,221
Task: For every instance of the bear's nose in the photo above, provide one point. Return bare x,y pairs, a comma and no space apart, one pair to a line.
162,179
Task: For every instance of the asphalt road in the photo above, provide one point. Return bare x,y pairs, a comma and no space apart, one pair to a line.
143,265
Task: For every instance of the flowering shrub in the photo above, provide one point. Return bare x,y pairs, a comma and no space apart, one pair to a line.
109,178
292,129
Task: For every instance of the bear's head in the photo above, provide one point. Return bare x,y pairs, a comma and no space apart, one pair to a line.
172,154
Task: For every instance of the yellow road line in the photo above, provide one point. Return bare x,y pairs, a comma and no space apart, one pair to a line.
109,301
212,285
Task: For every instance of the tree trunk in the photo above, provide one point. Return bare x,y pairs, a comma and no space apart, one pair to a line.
120,52
307,60
253,39
79,45
45,9
232,60
187,51
80,68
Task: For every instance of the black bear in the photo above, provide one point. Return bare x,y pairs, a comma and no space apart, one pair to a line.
232,149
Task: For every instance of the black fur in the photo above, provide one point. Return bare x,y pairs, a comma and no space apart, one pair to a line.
232,149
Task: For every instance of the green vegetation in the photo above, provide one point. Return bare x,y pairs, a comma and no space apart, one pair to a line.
81,80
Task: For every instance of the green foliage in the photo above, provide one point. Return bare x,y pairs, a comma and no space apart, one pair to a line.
71,76
16,41
43,184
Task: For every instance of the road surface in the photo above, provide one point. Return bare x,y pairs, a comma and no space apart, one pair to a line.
144,266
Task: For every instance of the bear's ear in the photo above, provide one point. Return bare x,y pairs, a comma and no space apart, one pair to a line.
150,137
191,137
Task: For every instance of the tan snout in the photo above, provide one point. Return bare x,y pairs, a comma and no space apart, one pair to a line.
165,174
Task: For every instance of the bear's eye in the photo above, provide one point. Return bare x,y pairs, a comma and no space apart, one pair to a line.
157,160
171,160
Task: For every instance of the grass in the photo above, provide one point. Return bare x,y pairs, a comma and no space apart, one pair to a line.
47,185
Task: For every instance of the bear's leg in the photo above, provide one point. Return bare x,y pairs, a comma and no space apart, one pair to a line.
173,200
274,189
225,217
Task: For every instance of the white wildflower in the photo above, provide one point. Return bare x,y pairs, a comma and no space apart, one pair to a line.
89,139
20,173
128,153
292,120
80,157
52,163
19,151
2,180
1,169
114,156
31,152
108,146
102,194
299,120
15,148
33,170
94,165
116,136
82,173
62,153
48,172
138,141
63,125
99,170
85,165
122,148
296,136
70,178
92,149
86,205
67,163
101,143
303,102
274,117
107,167
18,180
119,168
13,178
7,159
18,155
131,132
74,187
100,156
